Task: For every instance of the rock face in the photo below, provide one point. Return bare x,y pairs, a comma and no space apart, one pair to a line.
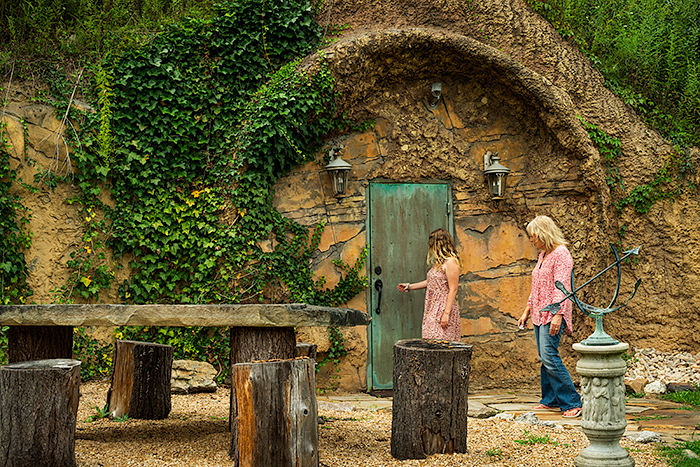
511,85
656,387
190,376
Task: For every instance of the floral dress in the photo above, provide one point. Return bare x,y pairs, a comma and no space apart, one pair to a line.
435,301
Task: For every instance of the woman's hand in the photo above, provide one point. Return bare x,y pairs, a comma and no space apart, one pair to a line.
403,287
445,320
555,325
522,322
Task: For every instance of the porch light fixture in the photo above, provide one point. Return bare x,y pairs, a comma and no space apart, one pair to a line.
338,170
496,175
436,92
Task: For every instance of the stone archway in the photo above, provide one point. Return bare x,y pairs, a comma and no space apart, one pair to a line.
374,60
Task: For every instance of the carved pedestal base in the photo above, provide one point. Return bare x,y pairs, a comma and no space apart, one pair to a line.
602,373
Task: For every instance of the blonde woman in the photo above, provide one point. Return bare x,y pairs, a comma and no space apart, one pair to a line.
553,264
441,314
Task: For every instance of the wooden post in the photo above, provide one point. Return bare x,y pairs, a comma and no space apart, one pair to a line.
431,383
140,380
38,410
249,344
39,343
274,414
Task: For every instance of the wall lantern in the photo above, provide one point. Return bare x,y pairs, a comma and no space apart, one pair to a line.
436,92
496,175
338,170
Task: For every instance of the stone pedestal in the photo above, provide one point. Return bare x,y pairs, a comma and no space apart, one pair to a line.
602,371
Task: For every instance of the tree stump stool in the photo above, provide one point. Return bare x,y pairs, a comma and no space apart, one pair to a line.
250,344
38,410
274,417
140,380
39,343
431,382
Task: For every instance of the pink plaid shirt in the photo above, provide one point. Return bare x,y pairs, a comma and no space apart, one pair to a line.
555,267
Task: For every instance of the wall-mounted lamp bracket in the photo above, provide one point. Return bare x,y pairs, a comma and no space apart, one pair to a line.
436,92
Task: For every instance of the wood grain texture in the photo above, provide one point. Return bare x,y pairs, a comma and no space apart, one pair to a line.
141,380
39,343
253,344
38,408
430,406
274,414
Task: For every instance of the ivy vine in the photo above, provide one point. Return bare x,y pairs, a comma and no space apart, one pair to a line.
192,131
670,182
189,136
610,148
15,237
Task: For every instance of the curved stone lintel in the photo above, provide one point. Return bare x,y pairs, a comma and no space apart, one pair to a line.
426,54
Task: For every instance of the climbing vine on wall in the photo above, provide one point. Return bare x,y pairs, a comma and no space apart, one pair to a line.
610,149
192,132
14,236
670,182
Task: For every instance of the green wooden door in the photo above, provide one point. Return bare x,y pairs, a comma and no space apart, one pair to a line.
401,216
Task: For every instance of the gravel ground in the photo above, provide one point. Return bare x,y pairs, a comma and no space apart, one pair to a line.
196,434
667,367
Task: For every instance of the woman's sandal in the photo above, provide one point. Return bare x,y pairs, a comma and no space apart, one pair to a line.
545,407
572,413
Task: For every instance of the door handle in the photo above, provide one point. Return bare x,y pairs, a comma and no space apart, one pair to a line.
378,287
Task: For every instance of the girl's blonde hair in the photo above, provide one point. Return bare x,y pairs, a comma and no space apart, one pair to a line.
544,228
441,247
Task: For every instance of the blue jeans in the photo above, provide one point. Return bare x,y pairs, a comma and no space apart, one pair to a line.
557,388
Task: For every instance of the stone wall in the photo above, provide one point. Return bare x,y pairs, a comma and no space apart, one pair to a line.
37,139
411,142
511,85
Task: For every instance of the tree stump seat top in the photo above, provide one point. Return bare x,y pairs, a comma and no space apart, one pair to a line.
432,344
62,363
253,315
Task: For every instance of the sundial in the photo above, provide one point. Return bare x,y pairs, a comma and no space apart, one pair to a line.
599,336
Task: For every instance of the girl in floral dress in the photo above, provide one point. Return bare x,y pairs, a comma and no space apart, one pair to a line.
441,314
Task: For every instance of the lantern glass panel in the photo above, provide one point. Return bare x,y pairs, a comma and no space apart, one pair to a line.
340,181
498,184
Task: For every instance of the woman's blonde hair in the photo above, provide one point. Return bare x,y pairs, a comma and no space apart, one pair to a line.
544,228
441,247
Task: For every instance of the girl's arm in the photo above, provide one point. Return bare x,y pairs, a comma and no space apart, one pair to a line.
406,286
451,268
